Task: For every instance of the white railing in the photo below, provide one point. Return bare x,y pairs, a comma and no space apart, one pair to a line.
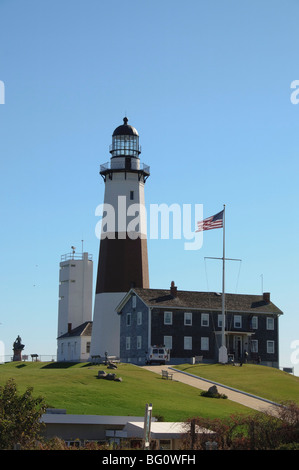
121,165
31,358
75,256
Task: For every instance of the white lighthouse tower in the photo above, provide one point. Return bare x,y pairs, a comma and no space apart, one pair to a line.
75,305
123,260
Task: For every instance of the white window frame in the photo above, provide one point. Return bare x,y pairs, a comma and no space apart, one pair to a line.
167,342
167,315
139,318
205,318
139,342
254,346
188,318
237,320
254,322
270,347
204,343
128,319
270,323
187,343
219,320
133,301
128,343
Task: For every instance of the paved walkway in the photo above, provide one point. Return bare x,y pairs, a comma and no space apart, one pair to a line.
246,399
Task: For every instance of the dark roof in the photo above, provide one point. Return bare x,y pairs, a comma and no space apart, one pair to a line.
206,300
125,129
81,330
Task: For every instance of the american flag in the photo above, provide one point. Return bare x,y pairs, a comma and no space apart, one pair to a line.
216,221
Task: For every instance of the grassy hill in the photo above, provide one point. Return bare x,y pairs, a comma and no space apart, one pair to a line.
76,388
262,381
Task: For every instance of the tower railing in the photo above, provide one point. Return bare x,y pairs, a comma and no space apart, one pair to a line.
75,256
122,166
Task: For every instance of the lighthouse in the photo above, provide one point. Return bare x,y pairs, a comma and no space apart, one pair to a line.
123,259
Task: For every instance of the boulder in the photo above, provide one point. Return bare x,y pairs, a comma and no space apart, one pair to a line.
110,376
102,374
213,390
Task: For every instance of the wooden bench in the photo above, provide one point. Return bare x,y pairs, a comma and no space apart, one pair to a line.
166,375
96,359
198,359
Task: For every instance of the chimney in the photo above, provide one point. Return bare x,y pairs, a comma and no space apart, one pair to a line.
266,297
173,289
69,327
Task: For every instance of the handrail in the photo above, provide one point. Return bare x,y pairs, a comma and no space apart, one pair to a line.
74,256
122,166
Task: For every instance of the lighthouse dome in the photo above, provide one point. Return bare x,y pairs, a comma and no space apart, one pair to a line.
125,129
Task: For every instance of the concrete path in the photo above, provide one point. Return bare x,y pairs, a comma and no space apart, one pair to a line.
246,399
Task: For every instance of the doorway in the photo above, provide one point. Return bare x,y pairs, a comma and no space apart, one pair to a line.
238,347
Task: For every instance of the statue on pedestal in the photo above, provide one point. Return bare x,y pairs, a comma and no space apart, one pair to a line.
17,349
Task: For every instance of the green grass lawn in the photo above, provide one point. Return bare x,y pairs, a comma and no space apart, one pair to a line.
76,388
266,382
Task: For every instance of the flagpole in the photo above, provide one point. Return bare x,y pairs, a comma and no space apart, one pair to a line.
223,283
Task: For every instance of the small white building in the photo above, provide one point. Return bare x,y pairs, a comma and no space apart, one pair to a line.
75,307
74,346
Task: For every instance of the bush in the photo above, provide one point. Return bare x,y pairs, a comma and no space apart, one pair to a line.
213,394
19,416
290,446
258,431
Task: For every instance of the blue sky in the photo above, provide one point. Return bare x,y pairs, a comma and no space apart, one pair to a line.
207,85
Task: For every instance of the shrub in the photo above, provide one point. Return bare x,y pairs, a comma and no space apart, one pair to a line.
213,394
258,431
19,416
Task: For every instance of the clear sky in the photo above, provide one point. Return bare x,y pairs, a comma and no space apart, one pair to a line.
207,84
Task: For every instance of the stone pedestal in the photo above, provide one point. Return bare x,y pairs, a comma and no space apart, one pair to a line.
17,354
17,349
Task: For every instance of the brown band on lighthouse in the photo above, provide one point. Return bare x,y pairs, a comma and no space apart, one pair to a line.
123,263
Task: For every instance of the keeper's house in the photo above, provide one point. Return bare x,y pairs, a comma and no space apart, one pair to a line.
190,325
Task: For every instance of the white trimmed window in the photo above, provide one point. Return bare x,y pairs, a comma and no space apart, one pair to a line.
133,301
188,318
188,342
167,318
254,346
254,323
270,323
128,320
204,343
128,343
205,319
139,342
139,318
237,321
270,347
168,342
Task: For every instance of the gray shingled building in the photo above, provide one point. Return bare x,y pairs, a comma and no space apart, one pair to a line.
190,323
